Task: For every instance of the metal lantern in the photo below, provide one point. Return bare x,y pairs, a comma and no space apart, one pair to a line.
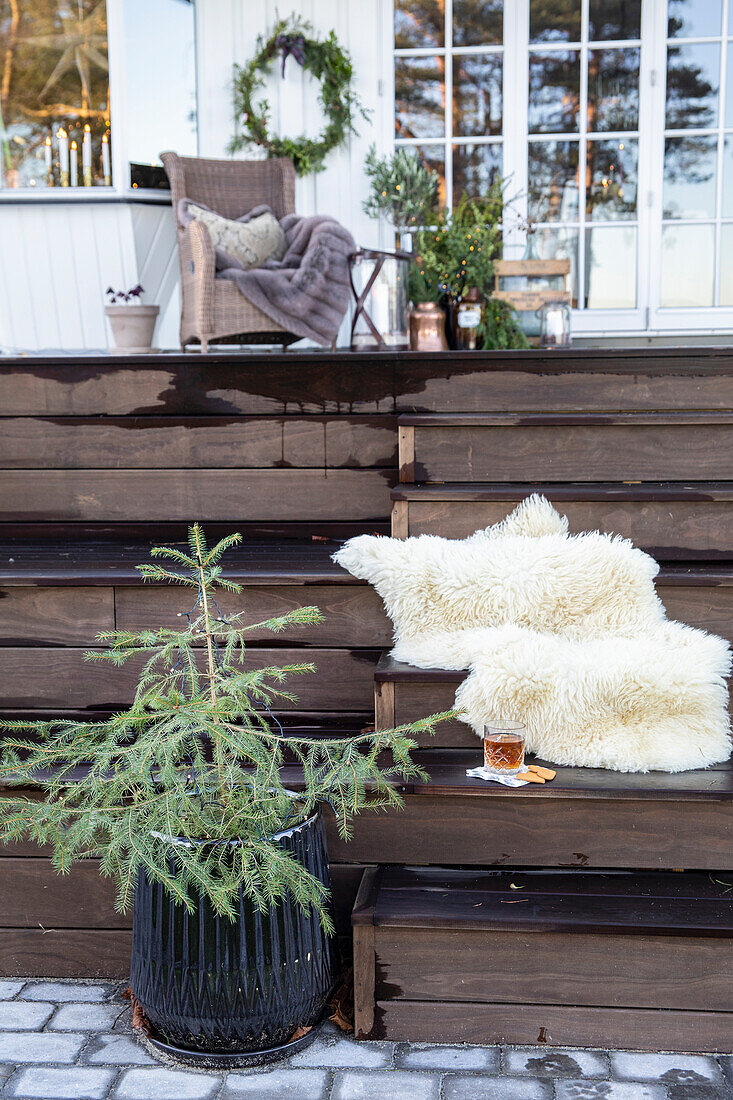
555,324
379,283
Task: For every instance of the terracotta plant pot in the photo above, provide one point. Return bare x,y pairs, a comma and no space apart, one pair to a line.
132,327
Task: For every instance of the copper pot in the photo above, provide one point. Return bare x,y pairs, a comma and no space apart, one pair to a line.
427,328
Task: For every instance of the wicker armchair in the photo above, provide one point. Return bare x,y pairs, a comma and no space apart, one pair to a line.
214,311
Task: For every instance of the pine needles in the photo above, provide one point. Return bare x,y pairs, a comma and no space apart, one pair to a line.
186,784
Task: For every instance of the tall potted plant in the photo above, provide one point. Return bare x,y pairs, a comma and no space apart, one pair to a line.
182,798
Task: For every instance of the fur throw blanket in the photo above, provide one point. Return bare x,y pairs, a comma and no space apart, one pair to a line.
306,292
563,632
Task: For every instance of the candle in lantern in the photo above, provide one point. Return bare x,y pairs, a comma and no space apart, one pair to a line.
63,141
48,156
74,164
105,159
86,155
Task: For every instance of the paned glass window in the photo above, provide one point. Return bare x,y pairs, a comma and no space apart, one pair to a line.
449,88
54,94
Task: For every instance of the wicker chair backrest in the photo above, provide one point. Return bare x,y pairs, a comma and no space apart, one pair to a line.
232,187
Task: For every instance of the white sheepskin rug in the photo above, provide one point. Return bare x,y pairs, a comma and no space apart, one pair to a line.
563,632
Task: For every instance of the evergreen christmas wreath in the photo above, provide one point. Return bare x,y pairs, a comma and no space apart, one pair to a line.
328,63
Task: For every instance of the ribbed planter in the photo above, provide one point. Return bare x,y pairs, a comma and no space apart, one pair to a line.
211,985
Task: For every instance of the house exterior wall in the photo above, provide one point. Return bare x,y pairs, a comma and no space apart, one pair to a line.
227,31
58,258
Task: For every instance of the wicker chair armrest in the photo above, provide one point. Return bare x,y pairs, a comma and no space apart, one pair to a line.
199,268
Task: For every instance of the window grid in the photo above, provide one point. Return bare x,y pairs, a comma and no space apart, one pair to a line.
652,130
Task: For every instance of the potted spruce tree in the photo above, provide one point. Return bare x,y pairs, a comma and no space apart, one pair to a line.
182,798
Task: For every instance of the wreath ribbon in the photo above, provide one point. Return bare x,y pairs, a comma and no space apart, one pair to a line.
291,45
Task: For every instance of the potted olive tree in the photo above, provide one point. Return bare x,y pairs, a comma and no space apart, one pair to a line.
182,798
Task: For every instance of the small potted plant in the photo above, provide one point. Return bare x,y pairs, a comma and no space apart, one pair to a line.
132,323
402,189
182,798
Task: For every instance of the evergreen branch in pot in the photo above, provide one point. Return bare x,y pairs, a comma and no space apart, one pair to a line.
182,799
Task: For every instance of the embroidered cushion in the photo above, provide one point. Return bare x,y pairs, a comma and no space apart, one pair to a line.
249,242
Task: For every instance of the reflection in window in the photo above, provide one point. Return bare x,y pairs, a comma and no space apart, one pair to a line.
478,22
694,18
477,95
612,180
609,19
689,177
554,20
418,23
692,85
554,92
475,168
553,181
419,97
613,89
54,94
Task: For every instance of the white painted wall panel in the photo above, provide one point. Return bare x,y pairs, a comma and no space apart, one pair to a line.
58,259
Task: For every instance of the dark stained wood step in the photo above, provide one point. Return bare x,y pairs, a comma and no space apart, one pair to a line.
639,948
158,495
562,447
536,901
317,382
147,442
43,679
672,521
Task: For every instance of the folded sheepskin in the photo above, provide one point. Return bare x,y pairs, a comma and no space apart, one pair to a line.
563,632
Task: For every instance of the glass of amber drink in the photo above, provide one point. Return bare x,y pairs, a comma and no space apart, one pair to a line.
504,746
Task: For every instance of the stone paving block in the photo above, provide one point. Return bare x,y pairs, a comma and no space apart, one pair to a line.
24,1015
430,1056
394,1085
65,991
726,1063
610,1090
295,1084
115,1050
669,1069
344,1053
696,1091
83,1017
9,989
74,1083
166,1084
496,1088
555,1063
40,1046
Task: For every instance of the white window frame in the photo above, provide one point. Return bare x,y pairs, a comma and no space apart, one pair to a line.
649,317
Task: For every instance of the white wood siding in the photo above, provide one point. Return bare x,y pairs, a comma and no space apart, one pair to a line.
58,259
226,33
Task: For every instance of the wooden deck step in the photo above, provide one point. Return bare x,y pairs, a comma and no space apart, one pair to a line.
672,521
585,818
566,446
574,958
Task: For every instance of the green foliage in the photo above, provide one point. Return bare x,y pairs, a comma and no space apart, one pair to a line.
402,188
459,248
329,64
197,755
500,329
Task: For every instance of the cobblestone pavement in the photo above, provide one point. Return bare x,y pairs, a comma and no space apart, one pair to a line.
72,1041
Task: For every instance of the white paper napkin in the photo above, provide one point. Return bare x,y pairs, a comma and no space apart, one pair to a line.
495,777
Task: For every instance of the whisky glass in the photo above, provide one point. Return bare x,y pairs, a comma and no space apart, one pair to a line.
504,746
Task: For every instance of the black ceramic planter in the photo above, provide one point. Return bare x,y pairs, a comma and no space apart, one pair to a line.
211,985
